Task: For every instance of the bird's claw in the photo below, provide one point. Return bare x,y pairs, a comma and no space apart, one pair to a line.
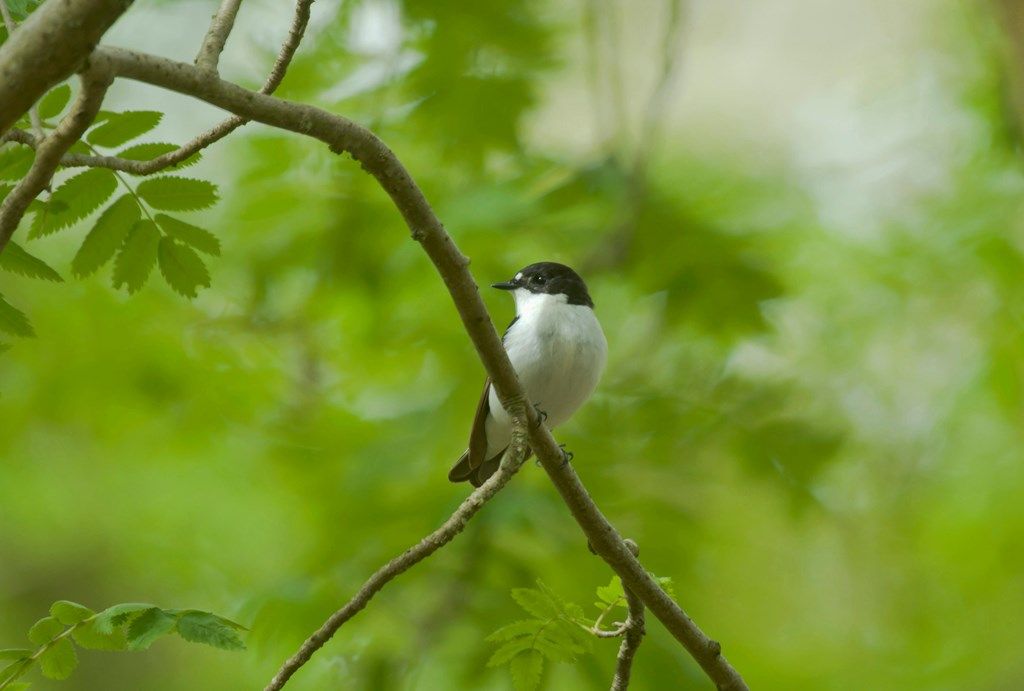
566,454
541,415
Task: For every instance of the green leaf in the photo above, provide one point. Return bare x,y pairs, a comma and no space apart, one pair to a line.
202,240
15,161
70,613
525,627
137,256
536,603
75,199
54,102
13,670
116,615
122,127
14,321
16,260
88,636
526,670
181,267
44,630
204,627
14,653
59,660
509,650
170,193
611,594
150,150
148,627
17,686
106,236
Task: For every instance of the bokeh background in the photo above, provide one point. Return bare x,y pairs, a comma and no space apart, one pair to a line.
802,226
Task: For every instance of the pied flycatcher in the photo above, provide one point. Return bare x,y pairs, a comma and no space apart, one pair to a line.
558,351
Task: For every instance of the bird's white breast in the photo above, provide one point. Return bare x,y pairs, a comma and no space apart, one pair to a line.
559,352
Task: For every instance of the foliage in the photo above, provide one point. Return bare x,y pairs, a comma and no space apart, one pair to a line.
128,626
811,412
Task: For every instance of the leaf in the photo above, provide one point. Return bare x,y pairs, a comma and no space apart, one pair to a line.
611,594
14,653
138,254
16,260
59,660
204,627
13,670
122,127
44,630
17,686
509,650
14,321
535,602
53,103
526,670
70,613
200,239
75,199
116,615
181,267
106,236
170,193
88,636
15,162
525,627
151,150
148,627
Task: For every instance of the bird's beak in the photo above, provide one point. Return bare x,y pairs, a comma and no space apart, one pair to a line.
506,285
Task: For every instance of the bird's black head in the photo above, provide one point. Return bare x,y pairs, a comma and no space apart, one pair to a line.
551,278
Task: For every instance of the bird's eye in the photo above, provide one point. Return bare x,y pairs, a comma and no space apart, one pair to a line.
539,280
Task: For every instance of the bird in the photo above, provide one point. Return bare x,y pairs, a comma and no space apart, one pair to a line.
558,350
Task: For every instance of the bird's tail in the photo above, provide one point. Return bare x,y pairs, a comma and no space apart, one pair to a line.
476,475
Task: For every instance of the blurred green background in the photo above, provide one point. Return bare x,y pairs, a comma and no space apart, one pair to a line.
802,226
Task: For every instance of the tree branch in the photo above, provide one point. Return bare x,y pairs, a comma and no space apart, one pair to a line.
632,632
217,35
343,135
95,81
300,21
11,25
510,463
50,45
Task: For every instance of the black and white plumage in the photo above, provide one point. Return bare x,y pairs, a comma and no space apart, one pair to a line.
558,350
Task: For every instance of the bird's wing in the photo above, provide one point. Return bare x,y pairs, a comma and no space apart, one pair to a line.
467,464
478,434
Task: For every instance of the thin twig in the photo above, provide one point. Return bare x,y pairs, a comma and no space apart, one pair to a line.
95,80
343,135
510,463
633,634
217,35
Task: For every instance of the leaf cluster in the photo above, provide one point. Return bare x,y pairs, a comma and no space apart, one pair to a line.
127,626
133,229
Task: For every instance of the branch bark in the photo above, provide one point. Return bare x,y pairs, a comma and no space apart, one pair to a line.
95,81
50,45
343,135
631,639
217,35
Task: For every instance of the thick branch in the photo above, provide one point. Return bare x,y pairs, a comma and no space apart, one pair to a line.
95,80
217,35
512,461
342,134
49,46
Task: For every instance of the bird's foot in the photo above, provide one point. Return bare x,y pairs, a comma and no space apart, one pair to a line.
566,454
541,416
